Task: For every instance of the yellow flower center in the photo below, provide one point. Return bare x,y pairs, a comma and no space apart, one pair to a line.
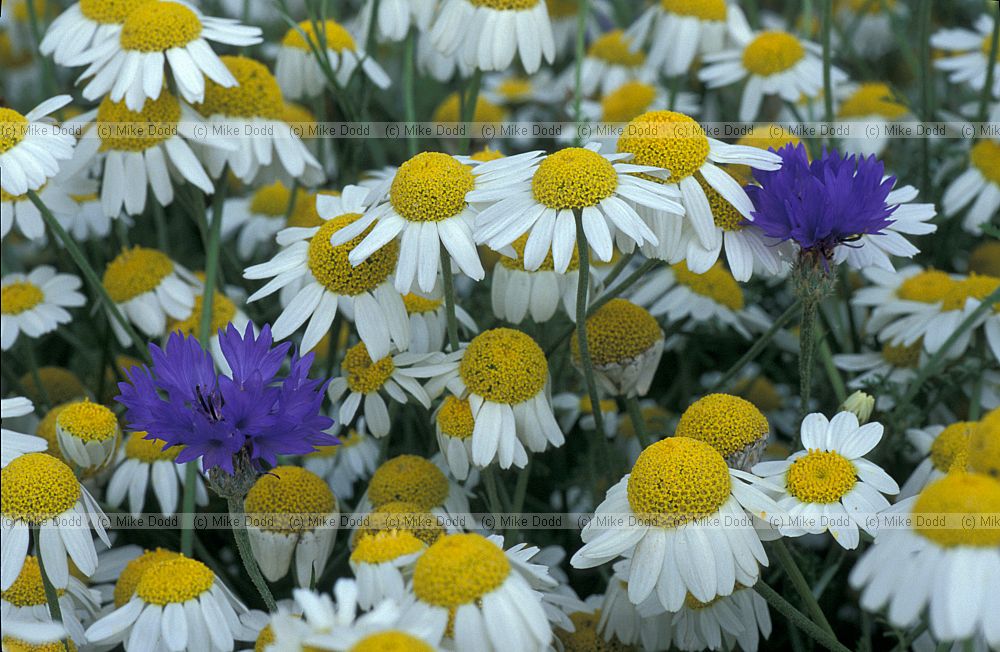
952,445
12,59
486,155
333,33
124,130
37,487
985,259
666,139
987,48
587,406
678,479
717,284
459,569
331,267
627,101
19,297
256,95
16,645
958,497
27,590
365,376
418,305
984,445
353,438
618,332
724,214
703,9
455,418
304,213
772,52
400,515
289,491
821,477
548,265
223,313
391,641
562,8
385,546
505,5
88,421
975,286
874,98
616,48
902,356
871,7
408,479
159,26
136,271
137,447
515,88
768,136
655,418
761,392
504,366
174,581
431,187
929,286
61,385
727,423
47,430
586,638
109,12
574,178
13,128
272,200
296,113
129,578
264,639
450,110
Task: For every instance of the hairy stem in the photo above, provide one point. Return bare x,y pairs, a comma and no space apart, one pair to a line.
242,537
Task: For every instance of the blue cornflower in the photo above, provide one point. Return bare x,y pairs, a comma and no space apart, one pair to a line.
251,416
821,205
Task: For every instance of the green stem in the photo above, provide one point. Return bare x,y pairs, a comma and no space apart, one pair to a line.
160,223
975,400
449,298
409,96
984,100
187,507
617,270
212,263
758,346
798,619
827,61
469,99
807,351
88,272
926,69
802,587
582,290
492,494
246,554
832,373
51,596
582,12
638,422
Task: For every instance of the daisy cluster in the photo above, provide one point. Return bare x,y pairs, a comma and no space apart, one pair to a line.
723,374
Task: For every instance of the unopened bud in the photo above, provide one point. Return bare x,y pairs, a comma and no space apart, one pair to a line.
861,404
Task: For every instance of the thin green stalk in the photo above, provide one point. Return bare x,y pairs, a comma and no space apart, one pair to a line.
409,96
582,12
984,100
583,287
759,345
832,373
798,619
638,422
237,513
51,596
975,400
617,270
521,488
48,72
469,99
187,507
802,587
160,224
807,351
449,298
926,71
492,494
88,272
827,28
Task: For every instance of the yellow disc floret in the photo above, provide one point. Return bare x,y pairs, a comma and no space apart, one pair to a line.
257,93
485,155
159,26
616,48
11,644
364,375
618,332
772,52
287,492
459,569
305,213
903,356
401,515
958,497
37,487
717,284
951,445
129,578
929,286
873,98
761,392
136,271
391,641
574,178
724,214
13,128
174,581
137,447
985,259
27,590
109,12
586,638
430,187
418,305
504,365
331,32
678,479
821,477
385,546
548,264
562,8
88,421
20,296
515,89
450,110
627,101
976,287
331,267
703,9
61,385
728,423
984,445
408,479
985,156
46,429
455,418
666,139
223,313
271,200
122,129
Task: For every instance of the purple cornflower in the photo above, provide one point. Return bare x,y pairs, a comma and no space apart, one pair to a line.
252,416
821,205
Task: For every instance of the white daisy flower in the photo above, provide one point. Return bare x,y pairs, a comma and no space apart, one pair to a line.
737,620
417,483
773,63
178,604
620,620
487,34
573,408
979,186
385,549
395,18
35,303
513,90
31,632
156,35
141,460
893,365
429,320
680,30
25,600
14,443
539,195
870,25
442,67
517,293
20,210
831,480
711,199
632,99
730,424
354,458
674,481
317,278
455,425
87,220
505,377
874,105
959,567
255,103
85,25
148,288
87,433
299,516
491,595
40,491
970,52
300,75
611,61
258,217
942,449
31,148
626,344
